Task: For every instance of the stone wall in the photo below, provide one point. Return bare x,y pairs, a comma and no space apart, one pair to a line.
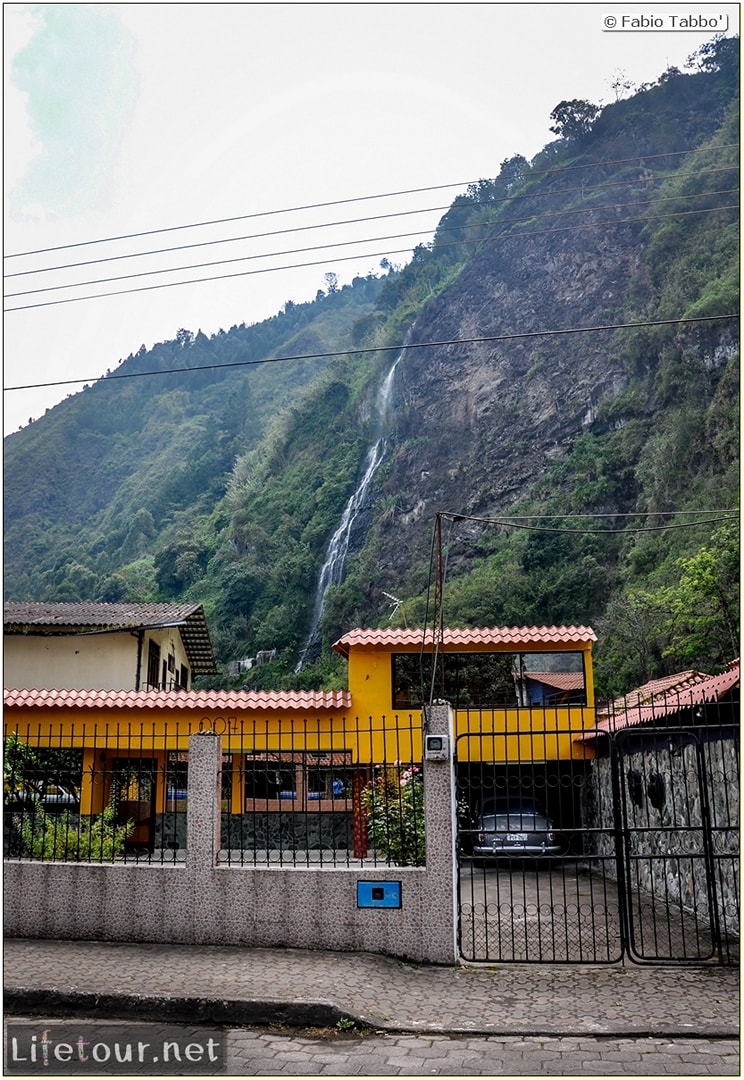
678,841
285,831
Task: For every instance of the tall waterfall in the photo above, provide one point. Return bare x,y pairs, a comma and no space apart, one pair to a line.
332,572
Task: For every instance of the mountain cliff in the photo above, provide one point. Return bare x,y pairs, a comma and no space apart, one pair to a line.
568,390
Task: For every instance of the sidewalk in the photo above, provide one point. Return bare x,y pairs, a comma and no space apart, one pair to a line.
244,986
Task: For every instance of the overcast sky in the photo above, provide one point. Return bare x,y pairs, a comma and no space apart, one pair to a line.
140,118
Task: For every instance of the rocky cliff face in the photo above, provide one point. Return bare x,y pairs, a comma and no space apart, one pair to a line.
478,422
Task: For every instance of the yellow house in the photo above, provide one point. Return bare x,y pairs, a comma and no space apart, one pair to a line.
518,694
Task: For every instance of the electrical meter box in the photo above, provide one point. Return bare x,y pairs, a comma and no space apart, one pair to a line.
436,747
378,894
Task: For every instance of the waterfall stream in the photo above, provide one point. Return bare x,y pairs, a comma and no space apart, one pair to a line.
332,571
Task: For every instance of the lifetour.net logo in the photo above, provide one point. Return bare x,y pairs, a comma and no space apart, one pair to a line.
86,1048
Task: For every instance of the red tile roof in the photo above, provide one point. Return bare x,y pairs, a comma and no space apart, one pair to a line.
560,680
536,638
23,617
657,689
664,697
237,700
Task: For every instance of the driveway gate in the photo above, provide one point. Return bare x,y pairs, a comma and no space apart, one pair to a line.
641,854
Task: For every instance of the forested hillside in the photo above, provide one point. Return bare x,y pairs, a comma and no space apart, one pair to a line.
567,400
102,490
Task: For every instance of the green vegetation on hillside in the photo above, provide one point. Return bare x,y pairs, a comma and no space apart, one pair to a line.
104,488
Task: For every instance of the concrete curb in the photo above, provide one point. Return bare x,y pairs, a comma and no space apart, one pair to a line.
181,1010
224,1012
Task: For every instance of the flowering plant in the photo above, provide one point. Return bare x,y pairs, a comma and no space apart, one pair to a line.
394,802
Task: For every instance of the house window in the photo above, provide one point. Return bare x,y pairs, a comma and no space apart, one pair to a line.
327,782
226,782
176,779
551,679
153,665
483,680
463,679
270,780
298,781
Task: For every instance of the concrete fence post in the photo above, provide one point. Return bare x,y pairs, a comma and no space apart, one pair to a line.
203,823
441,858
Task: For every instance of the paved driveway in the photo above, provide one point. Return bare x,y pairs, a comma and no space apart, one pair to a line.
560,911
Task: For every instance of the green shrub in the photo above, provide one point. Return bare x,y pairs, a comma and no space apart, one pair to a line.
394,801
60,838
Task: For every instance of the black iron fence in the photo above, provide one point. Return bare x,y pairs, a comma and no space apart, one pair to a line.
73,799
312,792
582,845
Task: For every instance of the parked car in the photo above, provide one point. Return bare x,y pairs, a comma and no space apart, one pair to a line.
514,829
52,797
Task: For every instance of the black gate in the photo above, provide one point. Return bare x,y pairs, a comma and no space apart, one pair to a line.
621,847
678,791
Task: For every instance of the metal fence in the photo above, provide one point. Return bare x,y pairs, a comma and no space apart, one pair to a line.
72,799
580,847
313,792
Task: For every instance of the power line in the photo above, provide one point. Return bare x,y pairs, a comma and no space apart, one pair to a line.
458,516
519,522
236,239
381,349
239,217
537,174
483,225
360,221
335,259
438,558
397,236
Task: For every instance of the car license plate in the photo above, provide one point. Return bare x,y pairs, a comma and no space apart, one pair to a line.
521,836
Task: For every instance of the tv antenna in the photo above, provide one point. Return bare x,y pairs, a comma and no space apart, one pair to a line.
396,604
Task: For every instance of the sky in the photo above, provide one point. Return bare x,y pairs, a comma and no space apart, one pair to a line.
249,132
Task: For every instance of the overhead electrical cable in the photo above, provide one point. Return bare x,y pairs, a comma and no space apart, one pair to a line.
342,244
457,515
375,217
536,174
513,523
524,335
337,259
239,217
439,556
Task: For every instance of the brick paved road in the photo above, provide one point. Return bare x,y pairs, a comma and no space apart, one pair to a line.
287,1052
252,1053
